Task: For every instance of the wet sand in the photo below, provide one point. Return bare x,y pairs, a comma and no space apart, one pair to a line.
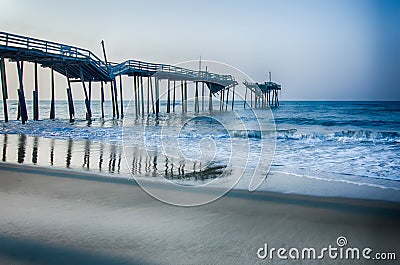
53,216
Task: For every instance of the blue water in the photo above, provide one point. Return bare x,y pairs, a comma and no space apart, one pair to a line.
357,142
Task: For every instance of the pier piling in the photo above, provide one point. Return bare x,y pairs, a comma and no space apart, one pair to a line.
182,97
142,94
173,99
121,97
115,97
87,102
196,98
52,103
4,88
36,96
112,98
21,95
210,104
157,83
233,96
69,97
148,96
168,96
102,99
135,91
202,96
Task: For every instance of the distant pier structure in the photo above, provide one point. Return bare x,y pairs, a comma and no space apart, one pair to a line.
262,95
83,66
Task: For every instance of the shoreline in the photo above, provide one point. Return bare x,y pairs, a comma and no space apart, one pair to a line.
312,187
233,193
63,217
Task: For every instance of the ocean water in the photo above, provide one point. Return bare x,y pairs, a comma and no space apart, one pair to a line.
346,142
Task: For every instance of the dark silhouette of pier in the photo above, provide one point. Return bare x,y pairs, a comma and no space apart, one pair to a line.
81,65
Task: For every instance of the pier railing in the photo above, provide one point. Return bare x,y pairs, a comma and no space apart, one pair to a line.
138,67
49,48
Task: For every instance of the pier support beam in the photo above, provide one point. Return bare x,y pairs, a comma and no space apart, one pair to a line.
148,95
135,92
196,98
21,95
210,103
182,97
168,96
22,77
4,88
221,100
142,93
121,97
116,97
277,98
173,98
52,103
70,105
227,99
87,102
36,96
152,97
202,96
157,83
102,99
186,96
70,99
112,99
233,96
245,98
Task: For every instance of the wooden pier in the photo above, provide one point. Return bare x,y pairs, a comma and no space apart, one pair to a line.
83,66
262,95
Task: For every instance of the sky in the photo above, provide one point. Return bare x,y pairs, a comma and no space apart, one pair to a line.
317,50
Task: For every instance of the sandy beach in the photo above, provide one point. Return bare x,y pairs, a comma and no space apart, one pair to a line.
53,216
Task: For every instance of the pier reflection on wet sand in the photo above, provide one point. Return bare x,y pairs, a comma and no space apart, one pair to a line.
98,157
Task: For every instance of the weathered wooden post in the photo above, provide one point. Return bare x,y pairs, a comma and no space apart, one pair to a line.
168,96
157,96
186,96
196,98
112,98
135,92
148,95
102,99
227,99
210,103
36,96
221,100
173,99
245,98
52,103
233,96
121,96
142,93
277,98
182,97
251,98
4,88
202,96
21,95
22,76
87,102
152,97
70,98
116,97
